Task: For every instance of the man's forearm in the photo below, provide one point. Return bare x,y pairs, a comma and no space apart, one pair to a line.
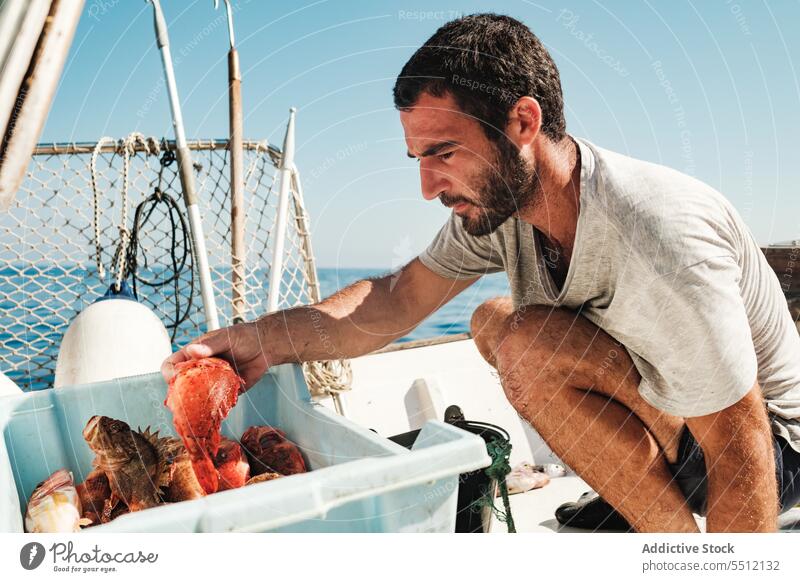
742,488
354,321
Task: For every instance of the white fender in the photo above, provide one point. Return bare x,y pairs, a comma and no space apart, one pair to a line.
112,338
8,387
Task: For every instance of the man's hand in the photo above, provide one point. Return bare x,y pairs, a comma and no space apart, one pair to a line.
239,344
740,462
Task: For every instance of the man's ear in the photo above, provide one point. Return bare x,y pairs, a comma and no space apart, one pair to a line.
524,122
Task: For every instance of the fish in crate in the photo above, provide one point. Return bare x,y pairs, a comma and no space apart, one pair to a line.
137,469
200,396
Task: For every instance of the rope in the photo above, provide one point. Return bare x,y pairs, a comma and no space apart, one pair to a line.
127,148
96,204
499,450
333,376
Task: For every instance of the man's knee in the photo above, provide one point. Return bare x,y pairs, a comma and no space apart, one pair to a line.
487,320
490,313
531,348
535,328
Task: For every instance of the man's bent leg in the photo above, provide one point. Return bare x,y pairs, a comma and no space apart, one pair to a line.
488,322
579,390
492,323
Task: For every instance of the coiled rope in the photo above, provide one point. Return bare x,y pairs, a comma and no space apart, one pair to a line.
499,450
179,232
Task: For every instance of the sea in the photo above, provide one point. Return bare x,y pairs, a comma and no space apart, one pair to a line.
31,300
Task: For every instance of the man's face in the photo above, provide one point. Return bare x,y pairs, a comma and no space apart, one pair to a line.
482,181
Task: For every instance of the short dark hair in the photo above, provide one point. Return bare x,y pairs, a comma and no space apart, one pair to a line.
487,62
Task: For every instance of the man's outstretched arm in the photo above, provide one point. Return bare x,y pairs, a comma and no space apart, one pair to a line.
356,320
740,463
360,318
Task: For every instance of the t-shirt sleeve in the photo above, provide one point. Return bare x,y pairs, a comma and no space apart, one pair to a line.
698,355
456,254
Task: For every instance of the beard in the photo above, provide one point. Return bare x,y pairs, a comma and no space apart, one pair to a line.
506,187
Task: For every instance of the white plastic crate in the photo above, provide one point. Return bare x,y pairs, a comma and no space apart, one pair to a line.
358,481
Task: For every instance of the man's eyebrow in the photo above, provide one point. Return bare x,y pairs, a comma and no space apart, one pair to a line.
434,149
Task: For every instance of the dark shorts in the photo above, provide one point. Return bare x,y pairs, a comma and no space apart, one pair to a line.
690,472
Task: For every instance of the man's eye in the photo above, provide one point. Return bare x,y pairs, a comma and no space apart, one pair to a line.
446,156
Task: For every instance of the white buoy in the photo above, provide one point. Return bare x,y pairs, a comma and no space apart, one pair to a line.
114,337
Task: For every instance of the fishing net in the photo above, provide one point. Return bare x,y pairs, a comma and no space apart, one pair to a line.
49,271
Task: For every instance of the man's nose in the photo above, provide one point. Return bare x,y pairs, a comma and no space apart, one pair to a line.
432,183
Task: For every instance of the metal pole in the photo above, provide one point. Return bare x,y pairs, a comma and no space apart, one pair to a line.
279,232
235,151
186,173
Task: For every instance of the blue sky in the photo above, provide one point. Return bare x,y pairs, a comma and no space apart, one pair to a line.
710,88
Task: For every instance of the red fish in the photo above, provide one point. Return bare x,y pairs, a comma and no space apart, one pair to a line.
232,466
270,451
201,394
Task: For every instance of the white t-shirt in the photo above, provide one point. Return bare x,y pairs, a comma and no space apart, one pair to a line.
665,265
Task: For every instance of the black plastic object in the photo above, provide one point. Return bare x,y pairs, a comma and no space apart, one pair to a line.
476,490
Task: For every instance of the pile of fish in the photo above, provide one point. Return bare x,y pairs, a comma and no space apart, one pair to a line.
138,469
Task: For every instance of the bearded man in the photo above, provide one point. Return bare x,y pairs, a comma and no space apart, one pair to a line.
646,339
